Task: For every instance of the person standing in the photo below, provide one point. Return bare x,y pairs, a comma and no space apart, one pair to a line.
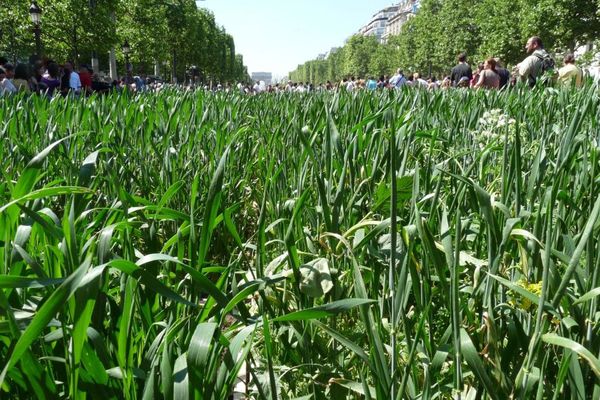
398,80
570,74
85,77
350,85
2,78
488,78
446,83
419,81
372,83
475,78
35,80
503,73
6,82
21,78
532,67
51,80
65,76
74,80
461,70
256,87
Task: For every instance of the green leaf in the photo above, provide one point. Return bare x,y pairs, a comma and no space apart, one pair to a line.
88,168
13,282
324,311
355,387
46,192
30,174
584,353
148,279
44,315
356,349
181,387
199,350
574,261
212,204
316,278
588,296
471,356
521,291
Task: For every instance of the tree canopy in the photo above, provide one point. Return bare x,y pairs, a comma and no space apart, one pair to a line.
442,29
175,34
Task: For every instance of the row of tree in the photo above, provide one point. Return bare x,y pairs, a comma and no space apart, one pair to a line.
431,40
173,34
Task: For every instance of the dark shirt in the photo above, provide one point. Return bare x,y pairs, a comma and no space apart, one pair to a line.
50,84
460,71
101,87
504,76
64,82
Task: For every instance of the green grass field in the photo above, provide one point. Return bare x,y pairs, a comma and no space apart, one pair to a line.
423,245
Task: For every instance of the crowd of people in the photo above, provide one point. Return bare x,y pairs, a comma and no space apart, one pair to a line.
490,74
50,78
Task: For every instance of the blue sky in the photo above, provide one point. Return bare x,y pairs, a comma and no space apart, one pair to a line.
277,35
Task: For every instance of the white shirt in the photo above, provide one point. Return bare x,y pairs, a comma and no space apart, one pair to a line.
8,86
74,81
594,72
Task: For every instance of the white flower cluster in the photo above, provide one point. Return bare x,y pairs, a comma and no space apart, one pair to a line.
491,127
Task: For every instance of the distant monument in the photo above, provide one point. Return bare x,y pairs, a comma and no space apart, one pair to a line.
266,77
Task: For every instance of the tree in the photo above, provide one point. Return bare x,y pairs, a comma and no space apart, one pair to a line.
358,52
70,28
158,31
499,22
335,62
16,37
562,24
483,28
382,60
456,31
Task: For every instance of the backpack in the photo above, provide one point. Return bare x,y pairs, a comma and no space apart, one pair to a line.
401,81
547,71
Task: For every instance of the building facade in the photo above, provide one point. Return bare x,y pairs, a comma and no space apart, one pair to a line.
388,21
406,10
267,77
377,24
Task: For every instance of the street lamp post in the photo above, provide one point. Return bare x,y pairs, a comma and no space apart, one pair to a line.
126,49
35,12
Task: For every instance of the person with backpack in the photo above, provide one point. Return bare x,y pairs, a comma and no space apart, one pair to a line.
398,80
537,64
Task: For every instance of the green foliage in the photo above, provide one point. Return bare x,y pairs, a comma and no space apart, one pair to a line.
175,33
16,38
330,245
483,28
